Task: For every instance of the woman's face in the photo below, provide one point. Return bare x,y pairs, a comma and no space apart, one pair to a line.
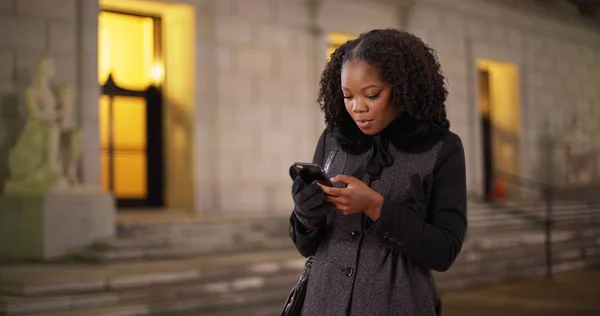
367,97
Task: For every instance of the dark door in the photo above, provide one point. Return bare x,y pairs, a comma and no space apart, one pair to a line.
486,132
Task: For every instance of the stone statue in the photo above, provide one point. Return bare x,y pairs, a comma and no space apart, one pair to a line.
70,136
580,164
39,160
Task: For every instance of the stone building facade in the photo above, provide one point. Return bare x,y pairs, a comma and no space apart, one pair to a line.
244,108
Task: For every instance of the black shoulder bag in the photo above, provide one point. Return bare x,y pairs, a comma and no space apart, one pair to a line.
295,301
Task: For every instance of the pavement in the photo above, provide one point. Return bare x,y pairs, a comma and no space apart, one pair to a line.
575,293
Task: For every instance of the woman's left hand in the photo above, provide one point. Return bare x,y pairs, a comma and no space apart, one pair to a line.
356,197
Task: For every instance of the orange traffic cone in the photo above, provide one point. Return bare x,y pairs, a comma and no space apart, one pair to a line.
499,192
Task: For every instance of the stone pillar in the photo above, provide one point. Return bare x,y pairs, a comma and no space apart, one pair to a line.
405,10
88,88
318,47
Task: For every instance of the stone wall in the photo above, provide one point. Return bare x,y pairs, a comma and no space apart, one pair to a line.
257,69
268,58
265,48
556,52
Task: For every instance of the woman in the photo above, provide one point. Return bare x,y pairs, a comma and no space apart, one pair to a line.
398,206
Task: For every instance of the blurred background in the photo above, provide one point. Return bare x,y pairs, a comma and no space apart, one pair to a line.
145,147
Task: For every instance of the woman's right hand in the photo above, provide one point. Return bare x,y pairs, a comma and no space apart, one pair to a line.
310,204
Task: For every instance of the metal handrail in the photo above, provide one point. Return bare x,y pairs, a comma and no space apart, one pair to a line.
547,220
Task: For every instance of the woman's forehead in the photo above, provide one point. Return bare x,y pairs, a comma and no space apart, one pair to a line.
358,72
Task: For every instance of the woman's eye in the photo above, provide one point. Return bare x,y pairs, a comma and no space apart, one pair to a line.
347,97
372,97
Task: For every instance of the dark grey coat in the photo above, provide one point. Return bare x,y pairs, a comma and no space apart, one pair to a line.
367,268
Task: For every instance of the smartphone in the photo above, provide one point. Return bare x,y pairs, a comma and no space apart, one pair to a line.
310,172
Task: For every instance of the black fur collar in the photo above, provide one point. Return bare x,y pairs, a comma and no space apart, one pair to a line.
405,133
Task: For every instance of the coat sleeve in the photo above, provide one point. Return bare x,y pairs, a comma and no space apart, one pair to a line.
434,240
307,240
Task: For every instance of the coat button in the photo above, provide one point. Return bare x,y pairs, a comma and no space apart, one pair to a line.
400,243
392,240
348,271
355,234
386,235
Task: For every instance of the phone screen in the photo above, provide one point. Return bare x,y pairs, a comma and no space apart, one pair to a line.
312,172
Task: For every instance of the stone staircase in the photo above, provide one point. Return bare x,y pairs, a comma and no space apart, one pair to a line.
195,237
247,267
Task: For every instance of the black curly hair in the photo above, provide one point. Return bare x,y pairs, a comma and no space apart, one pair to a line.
410,67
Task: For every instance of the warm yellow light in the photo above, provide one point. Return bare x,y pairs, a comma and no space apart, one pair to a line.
336,40
126,49
157,73
503,94
129,141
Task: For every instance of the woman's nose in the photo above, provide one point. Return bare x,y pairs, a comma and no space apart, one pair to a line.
358,106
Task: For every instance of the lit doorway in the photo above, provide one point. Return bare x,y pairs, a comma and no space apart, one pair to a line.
130,73
500,118
335,40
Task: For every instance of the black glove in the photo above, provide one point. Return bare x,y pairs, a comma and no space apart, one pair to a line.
310,205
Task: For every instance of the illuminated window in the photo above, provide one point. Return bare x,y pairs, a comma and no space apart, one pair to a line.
335,40
126,45
129,51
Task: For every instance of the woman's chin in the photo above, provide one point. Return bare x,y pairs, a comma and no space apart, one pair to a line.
368,130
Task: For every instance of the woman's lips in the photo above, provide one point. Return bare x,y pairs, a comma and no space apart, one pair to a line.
364,123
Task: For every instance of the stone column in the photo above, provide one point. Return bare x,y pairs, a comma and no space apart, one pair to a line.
88,88
317,57
405,10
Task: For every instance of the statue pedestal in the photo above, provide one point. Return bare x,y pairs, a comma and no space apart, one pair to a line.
48,226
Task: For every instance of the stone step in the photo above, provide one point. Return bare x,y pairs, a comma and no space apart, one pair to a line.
155,299
150,234
266,298
56,279
183,250
156,248
472,263
516,212
476,242
201,304
232,230
263,310
172,286
505,275
500,218
160,290
508,239
181,231
518,226
252,296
